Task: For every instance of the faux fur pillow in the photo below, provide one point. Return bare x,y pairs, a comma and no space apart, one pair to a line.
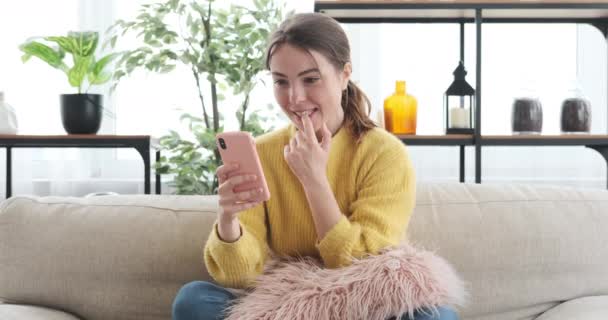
394,283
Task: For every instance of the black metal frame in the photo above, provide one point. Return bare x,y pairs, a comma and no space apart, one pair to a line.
141,144
447,140
598,144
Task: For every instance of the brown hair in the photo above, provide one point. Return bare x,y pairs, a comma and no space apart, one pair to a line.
318,32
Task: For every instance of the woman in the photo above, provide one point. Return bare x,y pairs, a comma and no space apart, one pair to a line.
340,187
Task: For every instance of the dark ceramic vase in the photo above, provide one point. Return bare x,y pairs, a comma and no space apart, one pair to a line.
527,116
81,113
576,116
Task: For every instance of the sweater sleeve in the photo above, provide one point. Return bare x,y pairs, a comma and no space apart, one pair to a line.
237,264
379,215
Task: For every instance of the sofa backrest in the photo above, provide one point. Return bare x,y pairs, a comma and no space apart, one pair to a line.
106,257
521,249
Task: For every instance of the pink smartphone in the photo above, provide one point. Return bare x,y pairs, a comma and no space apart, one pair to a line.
239,147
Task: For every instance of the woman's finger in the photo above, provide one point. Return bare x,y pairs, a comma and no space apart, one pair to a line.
223,171
242,196
241,206
230,183
326,138
234,209
309,129
300,138
293,144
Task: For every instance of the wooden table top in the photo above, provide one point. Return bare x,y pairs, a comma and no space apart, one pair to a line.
71,136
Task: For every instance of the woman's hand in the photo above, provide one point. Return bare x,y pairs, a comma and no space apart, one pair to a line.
232,202
306,156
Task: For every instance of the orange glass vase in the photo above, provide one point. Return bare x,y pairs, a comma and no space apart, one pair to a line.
400,111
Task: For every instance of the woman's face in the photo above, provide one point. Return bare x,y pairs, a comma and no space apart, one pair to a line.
305,81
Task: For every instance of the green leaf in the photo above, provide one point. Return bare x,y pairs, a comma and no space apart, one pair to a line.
170,54
99,78
68,44
190,118
79,70
45,53
173,4
100,65
167,69
86,42
195,28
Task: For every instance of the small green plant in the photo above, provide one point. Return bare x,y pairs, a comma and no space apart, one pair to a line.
81,46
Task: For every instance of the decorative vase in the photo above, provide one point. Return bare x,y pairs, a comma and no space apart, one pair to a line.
576,116
400,111
81,113
527,116
8,117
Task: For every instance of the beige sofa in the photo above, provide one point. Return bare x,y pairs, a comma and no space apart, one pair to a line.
526,252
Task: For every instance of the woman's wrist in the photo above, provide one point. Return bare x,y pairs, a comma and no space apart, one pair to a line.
315,185
229,230
324,208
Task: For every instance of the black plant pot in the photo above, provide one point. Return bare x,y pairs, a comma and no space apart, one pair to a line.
81,113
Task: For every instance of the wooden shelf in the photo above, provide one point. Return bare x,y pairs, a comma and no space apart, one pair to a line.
544,140
438,10
505,140
71,136
436,140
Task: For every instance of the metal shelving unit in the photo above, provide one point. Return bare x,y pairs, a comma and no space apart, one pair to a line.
479,12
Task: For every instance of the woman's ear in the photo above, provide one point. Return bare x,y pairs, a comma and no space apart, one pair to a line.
346,72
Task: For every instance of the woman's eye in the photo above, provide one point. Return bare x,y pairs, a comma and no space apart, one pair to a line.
311,80
280,82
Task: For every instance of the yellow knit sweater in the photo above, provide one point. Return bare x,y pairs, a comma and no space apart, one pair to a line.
373,183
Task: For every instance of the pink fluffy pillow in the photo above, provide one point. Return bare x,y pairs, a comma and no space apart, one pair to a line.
394,283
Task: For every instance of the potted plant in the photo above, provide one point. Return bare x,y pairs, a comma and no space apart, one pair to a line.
81,113
224,50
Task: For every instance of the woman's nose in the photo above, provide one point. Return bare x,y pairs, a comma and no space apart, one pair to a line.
297,94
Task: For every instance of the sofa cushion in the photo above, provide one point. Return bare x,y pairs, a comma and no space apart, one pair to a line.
523,249
587,308
107,257
18,312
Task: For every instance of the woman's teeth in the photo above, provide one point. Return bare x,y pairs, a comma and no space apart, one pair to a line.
304,113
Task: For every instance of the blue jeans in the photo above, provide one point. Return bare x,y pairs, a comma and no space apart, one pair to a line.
200,300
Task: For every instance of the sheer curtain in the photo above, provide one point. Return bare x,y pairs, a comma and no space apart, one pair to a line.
422,54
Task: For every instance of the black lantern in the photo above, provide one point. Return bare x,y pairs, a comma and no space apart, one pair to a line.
459,104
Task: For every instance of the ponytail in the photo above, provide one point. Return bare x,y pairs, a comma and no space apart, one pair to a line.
356,108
